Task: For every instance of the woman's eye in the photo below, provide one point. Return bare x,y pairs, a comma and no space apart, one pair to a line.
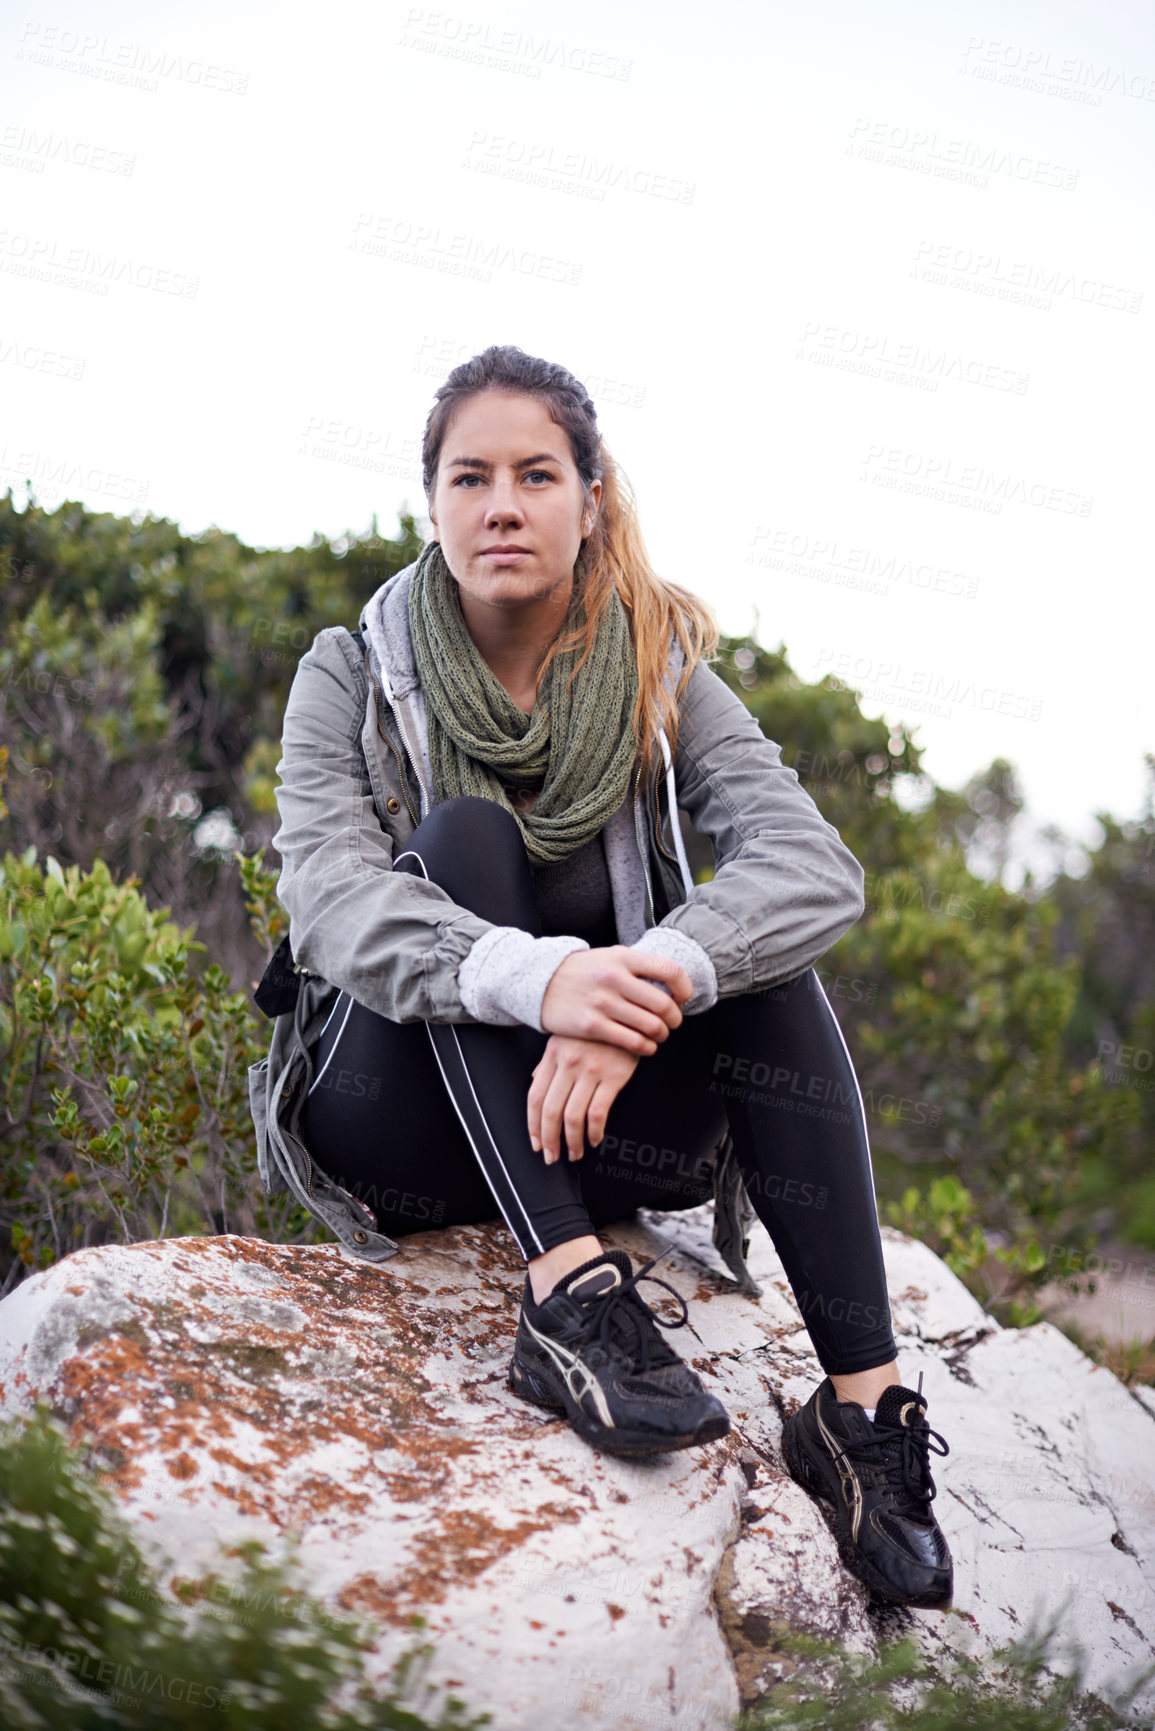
461,479
539,475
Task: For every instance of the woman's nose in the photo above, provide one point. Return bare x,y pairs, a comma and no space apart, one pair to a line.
504,505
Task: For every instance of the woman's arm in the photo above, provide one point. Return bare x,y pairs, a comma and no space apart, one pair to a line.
393,941
785,886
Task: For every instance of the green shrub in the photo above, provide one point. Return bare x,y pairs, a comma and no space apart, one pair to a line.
902,1690
124,1090
88,1637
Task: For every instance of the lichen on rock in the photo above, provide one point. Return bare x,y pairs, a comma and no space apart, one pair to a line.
235,1389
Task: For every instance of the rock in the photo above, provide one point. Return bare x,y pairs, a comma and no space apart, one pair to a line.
236,1389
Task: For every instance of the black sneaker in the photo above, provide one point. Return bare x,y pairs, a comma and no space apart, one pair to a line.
592,1350
875,1481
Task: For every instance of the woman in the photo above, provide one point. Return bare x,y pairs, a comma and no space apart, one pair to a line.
514,994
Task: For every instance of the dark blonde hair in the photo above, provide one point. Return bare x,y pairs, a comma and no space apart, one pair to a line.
613,556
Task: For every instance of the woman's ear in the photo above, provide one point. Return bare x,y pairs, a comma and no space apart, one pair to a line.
590,514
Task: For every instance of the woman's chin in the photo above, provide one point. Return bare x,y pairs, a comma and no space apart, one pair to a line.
511,586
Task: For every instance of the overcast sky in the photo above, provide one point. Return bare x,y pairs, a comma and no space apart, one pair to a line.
864,295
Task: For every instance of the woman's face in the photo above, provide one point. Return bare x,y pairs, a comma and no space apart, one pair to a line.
507,504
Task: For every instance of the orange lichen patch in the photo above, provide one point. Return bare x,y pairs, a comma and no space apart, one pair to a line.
615,1612
465,1544
225,1458
317,1495
403,1489
911,1295
182,1466
245,1503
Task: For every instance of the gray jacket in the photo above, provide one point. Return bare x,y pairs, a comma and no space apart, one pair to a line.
355,782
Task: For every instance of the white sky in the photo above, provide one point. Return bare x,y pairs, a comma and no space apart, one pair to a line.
736,213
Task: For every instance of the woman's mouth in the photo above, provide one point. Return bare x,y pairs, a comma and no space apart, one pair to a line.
509,555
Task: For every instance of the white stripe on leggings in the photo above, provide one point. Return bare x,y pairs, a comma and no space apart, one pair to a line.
857,1089
336,1042
411,854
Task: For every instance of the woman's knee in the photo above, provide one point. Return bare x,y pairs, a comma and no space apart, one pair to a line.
474,850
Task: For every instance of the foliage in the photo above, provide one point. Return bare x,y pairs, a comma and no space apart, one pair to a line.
143,677
124,1094
955,1001
945,1217
1014,1689
90,1638
1132,1360
1106,920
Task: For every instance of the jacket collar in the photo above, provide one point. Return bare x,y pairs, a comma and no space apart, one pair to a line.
385,622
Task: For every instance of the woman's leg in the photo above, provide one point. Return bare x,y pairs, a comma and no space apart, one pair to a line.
427,1121
775,1067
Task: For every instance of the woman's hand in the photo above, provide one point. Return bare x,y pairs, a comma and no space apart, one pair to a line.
573,1088
607,995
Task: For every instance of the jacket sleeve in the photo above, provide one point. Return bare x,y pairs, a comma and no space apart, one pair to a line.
785,886
393,941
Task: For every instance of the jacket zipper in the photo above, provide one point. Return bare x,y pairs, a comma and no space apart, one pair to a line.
386,738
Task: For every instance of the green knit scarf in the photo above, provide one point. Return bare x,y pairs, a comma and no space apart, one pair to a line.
578,745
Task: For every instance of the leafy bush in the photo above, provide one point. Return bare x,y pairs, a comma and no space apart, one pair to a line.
124,1094
89,1638
902,1690
957,1004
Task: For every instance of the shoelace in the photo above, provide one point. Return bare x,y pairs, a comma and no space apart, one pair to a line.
617,1305
913,1461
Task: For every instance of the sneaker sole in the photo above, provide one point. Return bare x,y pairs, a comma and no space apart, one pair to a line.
805,1473
614,1442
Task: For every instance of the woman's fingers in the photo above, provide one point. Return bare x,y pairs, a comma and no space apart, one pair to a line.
604,1096
542,1077
663,968
610,994
574,1115
599,1027
573,1088
553,1111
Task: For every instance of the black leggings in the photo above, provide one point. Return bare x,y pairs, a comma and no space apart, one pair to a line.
426,1122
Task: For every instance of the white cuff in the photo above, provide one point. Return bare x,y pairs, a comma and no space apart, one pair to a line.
503,978
688,953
